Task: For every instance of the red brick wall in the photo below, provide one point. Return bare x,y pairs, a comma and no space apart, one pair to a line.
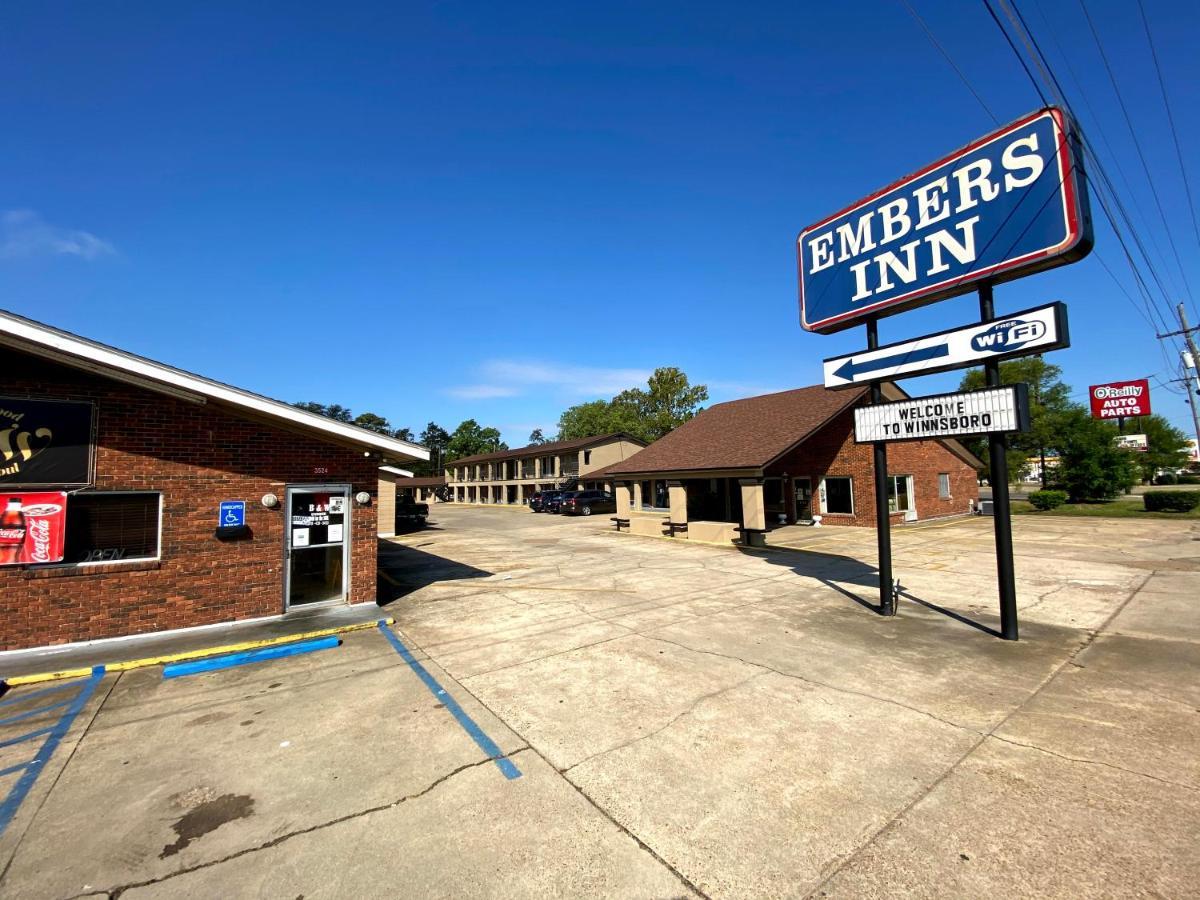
197,456
832,451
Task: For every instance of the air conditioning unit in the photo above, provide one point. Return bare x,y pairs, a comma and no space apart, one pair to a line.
986,508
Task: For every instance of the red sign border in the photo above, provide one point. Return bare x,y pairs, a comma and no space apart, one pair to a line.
1076,230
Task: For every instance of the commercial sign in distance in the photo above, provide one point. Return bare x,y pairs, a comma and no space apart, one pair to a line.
1021,334
1137,442
1120,399
990,411
1009,204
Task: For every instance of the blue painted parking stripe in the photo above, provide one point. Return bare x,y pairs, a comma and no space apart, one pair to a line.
28,714
20,698
213,663
486,744
34,767
24,737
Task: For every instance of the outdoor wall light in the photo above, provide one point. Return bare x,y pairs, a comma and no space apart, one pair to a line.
270,501
362,498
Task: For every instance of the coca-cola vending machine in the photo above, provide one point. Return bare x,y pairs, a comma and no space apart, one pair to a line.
32,527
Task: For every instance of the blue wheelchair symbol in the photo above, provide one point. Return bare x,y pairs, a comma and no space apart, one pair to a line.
232,514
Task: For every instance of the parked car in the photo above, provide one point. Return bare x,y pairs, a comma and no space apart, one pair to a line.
539,500
584,503
553,501
410,513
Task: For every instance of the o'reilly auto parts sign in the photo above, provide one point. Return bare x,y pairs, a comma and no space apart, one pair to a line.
1023,333
993,410
1009,204
1120,399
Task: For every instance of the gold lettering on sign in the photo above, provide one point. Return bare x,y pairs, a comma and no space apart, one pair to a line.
18,445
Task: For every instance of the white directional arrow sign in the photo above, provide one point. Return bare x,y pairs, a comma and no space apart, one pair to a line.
1021,334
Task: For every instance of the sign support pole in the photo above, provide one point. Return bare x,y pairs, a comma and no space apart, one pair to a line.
883,521
1001,511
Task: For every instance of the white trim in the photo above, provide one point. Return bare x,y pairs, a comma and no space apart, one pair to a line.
823,498
45,341
393,470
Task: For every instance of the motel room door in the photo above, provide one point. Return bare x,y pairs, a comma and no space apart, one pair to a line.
317,544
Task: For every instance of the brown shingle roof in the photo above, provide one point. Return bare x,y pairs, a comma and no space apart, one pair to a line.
430,481
543,449
740,434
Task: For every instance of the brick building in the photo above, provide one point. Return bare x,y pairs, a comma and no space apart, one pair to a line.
784,458
513,476
136,463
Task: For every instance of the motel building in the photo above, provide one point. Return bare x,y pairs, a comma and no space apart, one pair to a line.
511,477
139,498
741,469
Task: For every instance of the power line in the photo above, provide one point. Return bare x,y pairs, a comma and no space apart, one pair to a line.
1043,63
1114,158
1017,53
942,50
1138,146
1105,181
1162,86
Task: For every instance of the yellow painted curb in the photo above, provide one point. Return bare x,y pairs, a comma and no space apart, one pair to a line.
192,654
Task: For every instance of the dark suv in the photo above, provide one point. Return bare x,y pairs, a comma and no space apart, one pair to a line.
540,502
584,503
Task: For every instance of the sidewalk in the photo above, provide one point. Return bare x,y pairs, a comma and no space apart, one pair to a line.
16,663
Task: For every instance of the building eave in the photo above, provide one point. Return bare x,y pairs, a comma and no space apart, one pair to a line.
68,349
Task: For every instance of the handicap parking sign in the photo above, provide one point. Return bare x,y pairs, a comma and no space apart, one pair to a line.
232,514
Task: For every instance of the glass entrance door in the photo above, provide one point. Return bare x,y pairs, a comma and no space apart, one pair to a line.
803,488
317,544
900,496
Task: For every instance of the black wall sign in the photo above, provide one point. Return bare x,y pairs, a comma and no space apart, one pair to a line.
45,443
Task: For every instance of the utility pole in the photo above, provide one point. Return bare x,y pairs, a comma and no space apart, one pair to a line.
1193,386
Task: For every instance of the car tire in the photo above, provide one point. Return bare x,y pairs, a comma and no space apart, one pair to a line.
587,510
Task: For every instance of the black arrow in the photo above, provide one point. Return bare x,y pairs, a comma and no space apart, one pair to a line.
849,369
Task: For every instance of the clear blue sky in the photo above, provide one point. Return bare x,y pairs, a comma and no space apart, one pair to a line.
450,210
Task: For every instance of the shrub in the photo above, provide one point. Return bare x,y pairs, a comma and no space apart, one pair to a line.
1171,501
1166,478
1189,479
1047,499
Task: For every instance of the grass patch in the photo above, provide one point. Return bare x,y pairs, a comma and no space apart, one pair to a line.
1130,507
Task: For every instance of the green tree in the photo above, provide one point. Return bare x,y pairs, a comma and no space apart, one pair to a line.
1091,466
595,417
372,422
470,438
434,438
333,411
403,434
536,437
1049,398
1167,446
668,401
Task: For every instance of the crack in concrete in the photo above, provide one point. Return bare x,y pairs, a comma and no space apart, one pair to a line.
642,845
115,892
888,826
816,683
691,709
1095,762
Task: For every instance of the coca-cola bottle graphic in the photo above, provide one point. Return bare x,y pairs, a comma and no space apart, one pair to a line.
12,532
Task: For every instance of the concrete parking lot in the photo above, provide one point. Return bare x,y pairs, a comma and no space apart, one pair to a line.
686,720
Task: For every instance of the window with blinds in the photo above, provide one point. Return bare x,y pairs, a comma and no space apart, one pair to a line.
111,527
